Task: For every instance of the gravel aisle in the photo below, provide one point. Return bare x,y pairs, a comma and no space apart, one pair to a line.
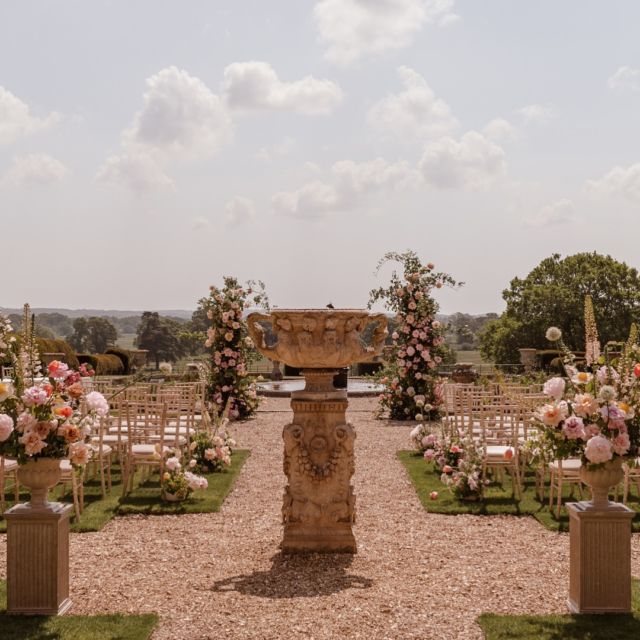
416,575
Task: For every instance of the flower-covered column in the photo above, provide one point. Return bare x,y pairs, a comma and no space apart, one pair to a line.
232,348
412,390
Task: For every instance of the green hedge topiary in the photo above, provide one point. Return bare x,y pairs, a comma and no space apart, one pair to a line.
46,345
125,355
103,364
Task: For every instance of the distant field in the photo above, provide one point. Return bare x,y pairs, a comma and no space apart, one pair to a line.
470,356
125,340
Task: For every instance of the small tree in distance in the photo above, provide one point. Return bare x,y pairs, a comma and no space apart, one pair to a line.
159,336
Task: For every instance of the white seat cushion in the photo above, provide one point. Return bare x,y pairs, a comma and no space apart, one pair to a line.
572,464
10,465
146,450
497,450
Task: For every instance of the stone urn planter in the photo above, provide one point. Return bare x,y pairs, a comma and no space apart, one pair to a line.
173,497
319,503
601,480
39,476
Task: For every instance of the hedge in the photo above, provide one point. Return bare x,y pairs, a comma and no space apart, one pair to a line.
125,355
103,364
46,345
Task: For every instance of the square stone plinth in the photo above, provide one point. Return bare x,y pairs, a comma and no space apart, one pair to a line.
38,560
299,538
600,558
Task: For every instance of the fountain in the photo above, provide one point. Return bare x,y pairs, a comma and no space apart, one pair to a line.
319,504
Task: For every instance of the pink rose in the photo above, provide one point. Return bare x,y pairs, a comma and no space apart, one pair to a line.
554,387
598,450
573,428
621,444
433,495
6,426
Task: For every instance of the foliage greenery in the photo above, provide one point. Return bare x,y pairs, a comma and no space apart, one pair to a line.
554,292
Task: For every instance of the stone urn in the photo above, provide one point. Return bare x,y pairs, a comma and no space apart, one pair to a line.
600,480
319,503
39,475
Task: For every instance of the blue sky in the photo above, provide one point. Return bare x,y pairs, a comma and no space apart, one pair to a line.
148,148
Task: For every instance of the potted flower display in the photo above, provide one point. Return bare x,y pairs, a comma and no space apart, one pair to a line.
177,482
593,413
45,415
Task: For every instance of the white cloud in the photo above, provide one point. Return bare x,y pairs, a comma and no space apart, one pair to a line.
180,115
499,130
625,78
350,183
415,112
181,118
620,181
560,212
536,113
17,120
472,162
277,150
354,28
138,171
200,224
254,86
35,169
240,210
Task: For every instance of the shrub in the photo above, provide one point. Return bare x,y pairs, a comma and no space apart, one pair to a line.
125,355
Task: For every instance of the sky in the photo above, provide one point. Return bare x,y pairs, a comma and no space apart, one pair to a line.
149,148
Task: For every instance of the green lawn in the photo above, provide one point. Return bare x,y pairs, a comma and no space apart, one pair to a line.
105,627
498,499
143,499
565,627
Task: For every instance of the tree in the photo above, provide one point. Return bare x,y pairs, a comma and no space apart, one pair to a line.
94,334
159,336
553,294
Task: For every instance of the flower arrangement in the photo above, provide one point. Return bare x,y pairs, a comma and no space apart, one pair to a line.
212,452
86,370
464,479
412,388
458,460
43,414
592,413
232,348
177,482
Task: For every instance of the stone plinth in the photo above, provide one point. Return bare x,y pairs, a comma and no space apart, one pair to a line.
319,503
38,559
600,558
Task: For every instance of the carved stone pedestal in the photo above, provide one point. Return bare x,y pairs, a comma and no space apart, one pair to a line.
38,559
319,503
600,558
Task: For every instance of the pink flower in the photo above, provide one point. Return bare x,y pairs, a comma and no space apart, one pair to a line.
552,414
607,374
25,422
34,396
79,454
554,387
433,495
6,426
584,404
173,464
97,402
410,350
598,450
58,370
447,469
32,443
429,455
621,444
573,428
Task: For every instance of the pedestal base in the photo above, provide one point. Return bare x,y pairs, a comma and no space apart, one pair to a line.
38,560
600,558
308,539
